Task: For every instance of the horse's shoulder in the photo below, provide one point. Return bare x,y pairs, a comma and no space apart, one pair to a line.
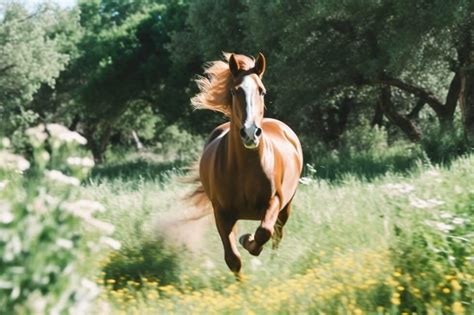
279,127
218,131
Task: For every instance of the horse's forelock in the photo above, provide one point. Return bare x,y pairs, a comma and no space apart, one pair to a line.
215,86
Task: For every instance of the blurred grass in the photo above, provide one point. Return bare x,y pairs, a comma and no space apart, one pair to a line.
337,255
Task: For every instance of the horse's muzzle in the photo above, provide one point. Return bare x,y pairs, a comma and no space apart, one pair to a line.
252,141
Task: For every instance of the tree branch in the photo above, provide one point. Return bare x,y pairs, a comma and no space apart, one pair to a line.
420,92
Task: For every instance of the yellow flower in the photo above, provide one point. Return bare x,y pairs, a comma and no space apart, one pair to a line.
455,285
457,308
446,290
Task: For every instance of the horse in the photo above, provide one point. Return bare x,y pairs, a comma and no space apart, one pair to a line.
250,166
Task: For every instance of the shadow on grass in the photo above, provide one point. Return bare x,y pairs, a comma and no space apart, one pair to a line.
139,169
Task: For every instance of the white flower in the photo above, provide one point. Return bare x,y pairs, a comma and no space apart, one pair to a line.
105,227
445,215
209,264
12,161
6,143
37,303
37,134
45,156
425,204
443,227
78,161
3,184
84,207
64,243
6,216
306,180
61,178
459,221
255,263
112,243
65,135
433,173
398,189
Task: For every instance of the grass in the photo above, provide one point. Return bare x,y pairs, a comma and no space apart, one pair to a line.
351,247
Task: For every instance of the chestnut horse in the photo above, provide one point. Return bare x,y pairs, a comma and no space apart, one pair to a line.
250,166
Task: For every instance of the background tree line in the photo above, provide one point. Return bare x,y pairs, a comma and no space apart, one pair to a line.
121,71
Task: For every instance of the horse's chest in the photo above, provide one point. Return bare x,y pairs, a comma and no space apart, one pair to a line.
247,196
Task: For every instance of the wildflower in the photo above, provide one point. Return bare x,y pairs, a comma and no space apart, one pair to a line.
84,207
61,178
209,264
255,263
442,227
64,243
455,285
398,189
6,216
457,308
459,221
306,180
78,161
13,162
112,243
3,184
433,173
446,290
5,143
395,299
37,135
445,215
65,135
425,204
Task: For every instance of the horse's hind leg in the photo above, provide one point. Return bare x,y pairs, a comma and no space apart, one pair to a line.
225,227
281,221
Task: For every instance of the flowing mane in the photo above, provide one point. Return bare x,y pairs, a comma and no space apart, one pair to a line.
214,86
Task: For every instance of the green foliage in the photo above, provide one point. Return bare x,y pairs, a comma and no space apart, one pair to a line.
152,260
365,152
45,227
31,46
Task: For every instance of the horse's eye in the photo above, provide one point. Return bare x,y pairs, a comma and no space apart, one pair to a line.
232,92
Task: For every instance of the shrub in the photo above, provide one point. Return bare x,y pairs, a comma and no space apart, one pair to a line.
43,226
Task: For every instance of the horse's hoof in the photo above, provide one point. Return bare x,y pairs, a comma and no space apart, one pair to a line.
244,239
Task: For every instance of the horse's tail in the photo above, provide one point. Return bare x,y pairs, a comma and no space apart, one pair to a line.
197,198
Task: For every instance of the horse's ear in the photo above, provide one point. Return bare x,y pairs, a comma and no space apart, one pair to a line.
233,65
260,64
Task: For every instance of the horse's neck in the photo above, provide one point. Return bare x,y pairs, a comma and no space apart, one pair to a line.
239,156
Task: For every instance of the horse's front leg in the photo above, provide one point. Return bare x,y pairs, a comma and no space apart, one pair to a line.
254,243
225,227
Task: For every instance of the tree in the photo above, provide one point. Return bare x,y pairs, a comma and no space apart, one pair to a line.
31,54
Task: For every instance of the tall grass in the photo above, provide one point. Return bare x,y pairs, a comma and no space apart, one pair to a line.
400,243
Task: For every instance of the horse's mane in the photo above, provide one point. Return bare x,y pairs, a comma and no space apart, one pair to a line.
214,86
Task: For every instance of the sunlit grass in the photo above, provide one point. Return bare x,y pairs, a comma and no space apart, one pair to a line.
350,248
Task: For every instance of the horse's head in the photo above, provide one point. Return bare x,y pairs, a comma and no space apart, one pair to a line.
247,99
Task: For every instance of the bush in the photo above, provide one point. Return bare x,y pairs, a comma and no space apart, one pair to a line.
43,226
364,152
152,260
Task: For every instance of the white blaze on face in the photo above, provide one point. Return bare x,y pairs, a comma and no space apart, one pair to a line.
250,88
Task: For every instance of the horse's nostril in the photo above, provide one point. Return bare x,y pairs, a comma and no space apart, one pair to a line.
242,132
258,132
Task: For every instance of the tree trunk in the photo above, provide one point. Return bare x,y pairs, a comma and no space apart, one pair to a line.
137,141
467,101
386,104
98,142
466,53
377,120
